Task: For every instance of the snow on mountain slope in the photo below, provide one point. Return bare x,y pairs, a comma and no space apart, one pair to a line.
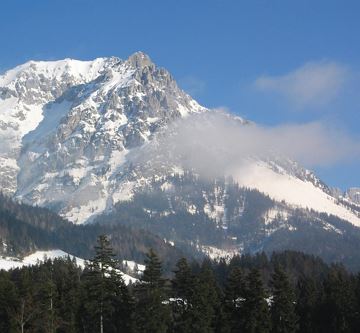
38,256
291,189
353,195
25,92
8,263
68,125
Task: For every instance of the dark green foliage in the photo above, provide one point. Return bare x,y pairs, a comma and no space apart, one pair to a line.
8,302
235,293
205,302
307,304
339,301
183,288
284,319
256,309
152,311
106,304
57,296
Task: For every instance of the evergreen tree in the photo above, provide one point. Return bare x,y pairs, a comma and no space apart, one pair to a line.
152,312
8,302
256,309
67,278
105,293
182,291
284,318
47,299
205,301
26,313
339,305
306,305
235,294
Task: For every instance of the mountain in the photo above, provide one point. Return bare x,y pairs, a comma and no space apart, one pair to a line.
93,141
67,127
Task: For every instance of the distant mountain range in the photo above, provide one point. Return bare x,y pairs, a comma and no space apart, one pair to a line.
90,141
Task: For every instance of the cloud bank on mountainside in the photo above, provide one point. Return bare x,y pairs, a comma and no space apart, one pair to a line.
216,142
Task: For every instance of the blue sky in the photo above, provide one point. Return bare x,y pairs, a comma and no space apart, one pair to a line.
273,62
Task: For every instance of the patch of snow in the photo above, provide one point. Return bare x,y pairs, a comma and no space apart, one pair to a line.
50,119
167,186
216,253
134,266
215,212
8,263
260,176
275,213
330,227
192,209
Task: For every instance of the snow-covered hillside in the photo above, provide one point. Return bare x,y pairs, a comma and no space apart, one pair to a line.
37,257
281,185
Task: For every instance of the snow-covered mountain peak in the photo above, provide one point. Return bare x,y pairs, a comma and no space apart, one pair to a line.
140,60
68,128
34,74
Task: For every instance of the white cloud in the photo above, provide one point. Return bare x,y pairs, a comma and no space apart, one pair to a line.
215,143
313,84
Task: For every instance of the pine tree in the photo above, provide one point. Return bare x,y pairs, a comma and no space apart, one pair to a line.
338,310
256,309
182,291
105,293
235,293
47,299
152,312
8,302
27,311
284,318
67,279
205,301
306,305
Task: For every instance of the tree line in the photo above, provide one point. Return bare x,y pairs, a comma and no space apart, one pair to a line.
290,292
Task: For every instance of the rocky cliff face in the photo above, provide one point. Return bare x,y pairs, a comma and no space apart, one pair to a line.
69,126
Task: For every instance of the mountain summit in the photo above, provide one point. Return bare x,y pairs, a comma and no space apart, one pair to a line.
67,126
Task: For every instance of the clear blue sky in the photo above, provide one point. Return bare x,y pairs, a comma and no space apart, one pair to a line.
250,56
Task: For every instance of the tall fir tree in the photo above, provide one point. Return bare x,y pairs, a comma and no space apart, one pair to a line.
8,303
26,314
47,299
235,293
67,275
284,318
256,309
152,310
182,292
306,305
105,293
205,301
338,311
